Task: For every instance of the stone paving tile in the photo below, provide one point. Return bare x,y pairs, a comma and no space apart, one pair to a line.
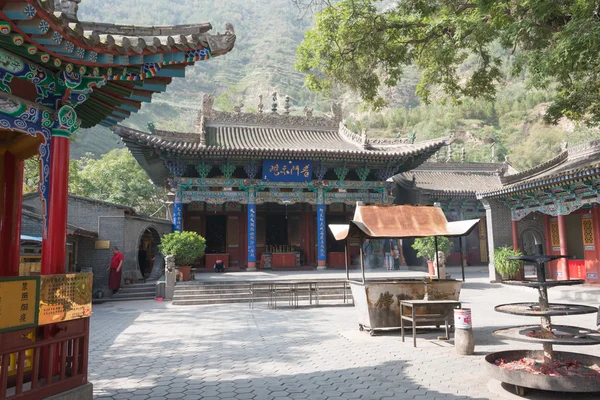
151,350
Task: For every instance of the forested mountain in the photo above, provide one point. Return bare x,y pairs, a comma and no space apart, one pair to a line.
268,33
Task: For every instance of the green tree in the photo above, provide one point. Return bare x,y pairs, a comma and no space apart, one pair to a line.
367,44
116,177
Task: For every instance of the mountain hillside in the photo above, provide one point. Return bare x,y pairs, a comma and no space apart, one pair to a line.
262,61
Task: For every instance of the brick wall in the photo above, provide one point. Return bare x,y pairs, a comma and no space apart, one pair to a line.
499,230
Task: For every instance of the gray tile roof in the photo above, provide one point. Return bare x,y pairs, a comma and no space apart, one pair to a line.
453,179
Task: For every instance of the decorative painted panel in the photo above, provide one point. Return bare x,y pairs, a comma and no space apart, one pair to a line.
336,207
233,207
251,233
554,236
587,228
210,207
196,206
321,236
178,217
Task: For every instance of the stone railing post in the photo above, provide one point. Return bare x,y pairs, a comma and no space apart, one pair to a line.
170,277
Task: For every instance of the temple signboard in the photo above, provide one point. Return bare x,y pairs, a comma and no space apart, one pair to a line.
18,303
287,171
65,297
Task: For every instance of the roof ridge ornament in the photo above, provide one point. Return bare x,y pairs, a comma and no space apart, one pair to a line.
308,112
68,8
336,110
287,105
260,104
274,103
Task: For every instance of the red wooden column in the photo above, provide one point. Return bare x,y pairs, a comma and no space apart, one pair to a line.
11,185
54,245
562,263
515,235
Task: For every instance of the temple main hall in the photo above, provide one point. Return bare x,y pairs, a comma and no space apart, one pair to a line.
262,187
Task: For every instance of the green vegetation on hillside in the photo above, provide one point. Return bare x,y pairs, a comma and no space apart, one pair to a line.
268,34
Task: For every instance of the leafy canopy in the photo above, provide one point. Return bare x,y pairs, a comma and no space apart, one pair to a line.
425,247
115,177
186,247
367,44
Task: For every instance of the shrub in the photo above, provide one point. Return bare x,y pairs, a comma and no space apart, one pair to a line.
186,247
505,267
425,247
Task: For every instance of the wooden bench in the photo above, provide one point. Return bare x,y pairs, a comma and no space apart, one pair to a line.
427,319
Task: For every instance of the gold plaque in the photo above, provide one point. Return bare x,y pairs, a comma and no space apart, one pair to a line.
18,303
102,244
65,297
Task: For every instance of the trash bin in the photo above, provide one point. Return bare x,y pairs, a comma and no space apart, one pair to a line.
464,342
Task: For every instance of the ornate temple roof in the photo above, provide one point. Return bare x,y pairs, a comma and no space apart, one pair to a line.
574,164
453,178
244,136
131,62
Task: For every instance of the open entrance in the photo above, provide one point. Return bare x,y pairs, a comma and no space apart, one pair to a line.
216,234
147,249
277,229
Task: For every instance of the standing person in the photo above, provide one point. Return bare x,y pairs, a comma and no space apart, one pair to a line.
142,261
116,269
396,258
388,251
367,252
598,320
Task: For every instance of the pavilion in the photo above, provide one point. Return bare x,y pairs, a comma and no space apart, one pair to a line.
59,74
262,187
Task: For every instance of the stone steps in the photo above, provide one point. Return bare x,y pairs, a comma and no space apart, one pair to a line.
196,293
136,291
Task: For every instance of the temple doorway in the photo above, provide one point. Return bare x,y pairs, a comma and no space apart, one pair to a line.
216,234
147,250
277,229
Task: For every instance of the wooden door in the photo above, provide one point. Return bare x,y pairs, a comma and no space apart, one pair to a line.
233,240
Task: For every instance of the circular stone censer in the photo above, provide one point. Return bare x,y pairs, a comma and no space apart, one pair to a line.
546,369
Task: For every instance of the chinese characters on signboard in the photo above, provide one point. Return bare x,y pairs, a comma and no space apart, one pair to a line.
321,232
177,217
65,297
287,171
251,232
18,303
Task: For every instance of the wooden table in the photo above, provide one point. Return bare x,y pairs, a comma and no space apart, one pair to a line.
428,319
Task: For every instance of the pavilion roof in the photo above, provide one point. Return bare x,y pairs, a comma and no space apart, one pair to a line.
452,179
135,61
271,135
574,164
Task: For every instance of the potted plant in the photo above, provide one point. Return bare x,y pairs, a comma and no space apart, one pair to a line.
425,248
186,247
509,269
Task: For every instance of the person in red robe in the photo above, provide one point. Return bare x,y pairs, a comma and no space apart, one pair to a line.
115,269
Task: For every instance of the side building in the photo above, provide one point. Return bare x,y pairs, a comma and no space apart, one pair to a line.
553,205
262,187
453,186
94,226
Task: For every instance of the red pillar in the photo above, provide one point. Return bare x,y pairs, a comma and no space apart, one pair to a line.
10,214
515,235
55,242
562,234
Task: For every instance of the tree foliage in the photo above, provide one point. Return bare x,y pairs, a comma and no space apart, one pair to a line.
115,177
425,246
368,44
186,247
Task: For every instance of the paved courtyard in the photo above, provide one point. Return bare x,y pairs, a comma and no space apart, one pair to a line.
153,350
